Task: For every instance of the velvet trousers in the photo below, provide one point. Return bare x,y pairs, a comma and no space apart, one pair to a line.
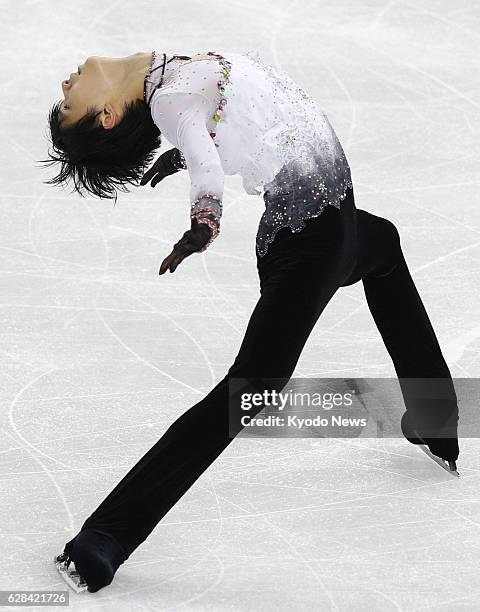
298,276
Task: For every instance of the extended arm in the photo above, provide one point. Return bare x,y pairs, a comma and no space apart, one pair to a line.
182,118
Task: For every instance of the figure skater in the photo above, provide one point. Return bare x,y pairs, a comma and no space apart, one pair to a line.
232,113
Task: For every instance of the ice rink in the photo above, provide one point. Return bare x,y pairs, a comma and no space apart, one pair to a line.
99,354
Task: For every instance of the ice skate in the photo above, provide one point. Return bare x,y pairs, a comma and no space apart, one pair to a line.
96,556
68,573
442,446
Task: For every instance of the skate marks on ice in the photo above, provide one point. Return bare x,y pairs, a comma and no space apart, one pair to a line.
56,265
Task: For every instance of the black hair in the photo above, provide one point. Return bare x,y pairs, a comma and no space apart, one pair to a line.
100,161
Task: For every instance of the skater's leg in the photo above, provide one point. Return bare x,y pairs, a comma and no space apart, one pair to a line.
406,329
300,276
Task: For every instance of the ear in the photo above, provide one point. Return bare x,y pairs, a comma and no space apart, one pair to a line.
109,117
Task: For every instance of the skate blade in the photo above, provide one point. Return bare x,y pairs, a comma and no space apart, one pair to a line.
448,466
70,576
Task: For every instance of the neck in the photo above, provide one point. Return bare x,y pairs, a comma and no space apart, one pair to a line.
136,69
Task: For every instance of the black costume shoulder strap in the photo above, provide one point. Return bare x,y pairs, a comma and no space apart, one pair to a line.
180,57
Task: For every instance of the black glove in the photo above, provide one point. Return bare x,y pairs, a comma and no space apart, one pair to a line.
192,241
168,163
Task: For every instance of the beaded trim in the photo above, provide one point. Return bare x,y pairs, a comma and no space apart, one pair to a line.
203,202
207,195
208,203
214,208
226,70
209,210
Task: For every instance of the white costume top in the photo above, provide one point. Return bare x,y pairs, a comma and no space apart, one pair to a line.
232,113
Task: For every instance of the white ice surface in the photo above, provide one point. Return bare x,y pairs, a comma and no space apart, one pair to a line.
99,354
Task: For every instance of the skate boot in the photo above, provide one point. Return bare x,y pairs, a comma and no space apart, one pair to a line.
444,448
96,555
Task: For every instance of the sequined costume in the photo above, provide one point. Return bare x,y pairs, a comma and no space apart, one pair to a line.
233,113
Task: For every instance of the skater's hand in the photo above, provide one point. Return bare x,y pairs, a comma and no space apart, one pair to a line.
168,163
192,241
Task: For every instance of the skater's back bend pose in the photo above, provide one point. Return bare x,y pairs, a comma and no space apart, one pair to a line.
231,113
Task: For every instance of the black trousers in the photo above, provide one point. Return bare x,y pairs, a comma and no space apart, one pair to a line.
298,276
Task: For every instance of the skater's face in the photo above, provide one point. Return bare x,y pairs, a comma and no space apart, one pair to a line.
91,85
104,83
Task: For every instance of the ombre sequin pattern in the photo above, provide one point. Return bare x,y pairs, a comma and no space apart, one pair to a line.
297,194
265,128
